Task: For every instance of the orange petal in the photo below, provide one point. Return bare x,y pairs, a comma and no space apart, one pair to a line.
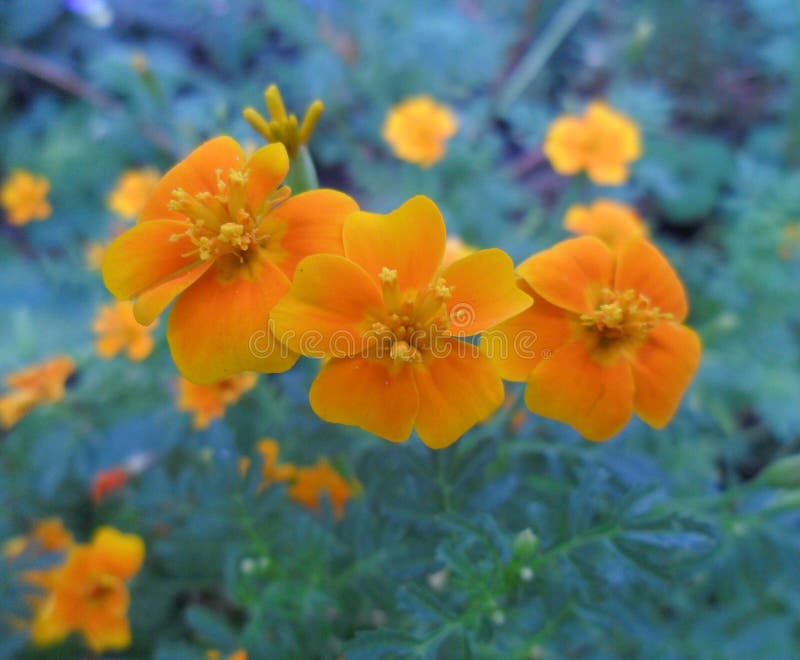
564,145
410,240
484,291
144,256
607,174
518,345
119,554
313,222
570,387
107,632
373,395
195,173
642,267
571,273
327,310
153,301
218,326
662,370
268,168
458,388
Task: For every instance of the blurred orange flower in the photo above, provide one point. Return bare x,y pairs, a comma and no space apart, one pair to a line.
107,481
271,471
132,191
93,255
117,330
208,402
41,383
89,593
47,535
602,142
24,197
611,221
389,320
418,129
312,483
224,236
607,329
213,654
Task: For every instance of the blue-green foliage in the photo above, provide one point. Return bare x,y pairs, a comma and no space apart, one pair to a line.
516,542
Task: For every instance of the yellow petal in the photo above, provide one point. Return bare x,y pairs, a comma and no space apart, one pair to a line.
119,554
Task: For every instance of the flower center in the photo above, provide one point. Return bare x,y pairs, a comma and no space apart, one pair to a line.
223,222
101,588
410,326
623,317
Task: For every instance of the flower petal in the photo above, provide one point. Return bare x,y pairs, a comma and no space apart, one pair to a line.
327,310
518,345
218,326
643,268
195,173
571,273
268,167
145,255
484,292
410,239
595,399
119,554
154,300
374,395
662,370
458,388
313,225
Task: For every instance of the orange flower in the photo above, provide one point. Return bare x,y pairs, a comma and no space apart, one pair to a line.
222,235
454,249
208,402
213,654
47,535
132,191
24,197
311,483
30,387
271,471
606,329
389,319
602,141
117,330
107,481
611,221
89,593
418,129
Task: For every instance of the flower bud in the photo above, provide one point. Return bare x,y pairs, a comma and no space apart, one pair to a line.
783,473
526,543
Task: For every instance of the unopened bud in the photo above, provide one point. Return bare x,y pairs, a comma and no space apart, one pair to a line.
526,543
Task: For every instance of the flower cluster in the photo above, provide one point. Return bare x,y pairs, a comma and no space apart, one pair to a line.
84,591
261,274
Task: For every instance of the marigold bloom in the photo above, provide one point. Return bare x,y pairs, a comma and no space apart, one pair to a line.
418,129
312,483
41,383
611,221
208,402
602,142
389,319
271,470
222,235
604,337
117,330
89,593
454,249
132,191
24,197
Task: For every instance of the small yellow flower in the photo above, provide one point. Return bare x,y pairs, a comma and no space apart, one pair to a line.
32,386
208,402
611,221
117,330
132,191
418,128
284,127
602,141
24,197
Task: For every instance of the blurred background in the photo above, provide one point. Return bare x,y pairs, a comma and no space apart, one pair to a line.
657,544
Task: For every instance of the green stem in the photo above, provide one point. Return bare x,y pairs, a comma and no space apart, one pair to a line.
302,173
